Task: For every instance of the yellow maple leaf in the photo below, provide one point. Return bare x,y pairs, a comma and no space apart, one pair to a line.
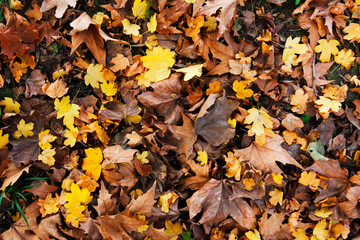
94,75
166,199
47,156
152,24
45,139
293,47
322,213
191,71
234,234
214,87
16,4
319,230
327,48
232,122
259,120
49,205
235,166
71,136
75,215
24,129
77,196
328,105
202,157
140,8
253,235
345,57
277,178
108,88
158,61
299,101
130,28
194,26
300,234
335,92
4,139
210,24
92,162
276,197
11,106
353,32
143,157
249,183
59,74
66,110
151,41
100,18
172,228
249,75
241,92
309,179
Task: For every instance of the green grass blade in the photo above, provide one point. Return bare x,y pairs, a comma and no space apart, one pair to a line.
22,213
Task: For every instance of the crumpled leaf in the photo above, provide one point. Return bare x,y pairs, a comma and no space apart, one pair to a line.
61,6
264,157
213,126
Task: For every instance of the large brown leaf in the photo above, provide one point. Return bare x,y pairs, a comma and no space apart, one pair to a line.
272,228
18,36
227,12
111,229
184,136
163,98
142,204
12,174
214,126
106,205
213,200
337,178
264,157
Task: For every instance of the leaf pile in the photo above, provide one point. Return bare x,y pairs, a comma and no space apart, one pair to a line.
179,119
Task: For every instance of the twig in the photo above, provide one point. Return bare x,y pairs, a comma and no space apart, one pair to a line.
314,76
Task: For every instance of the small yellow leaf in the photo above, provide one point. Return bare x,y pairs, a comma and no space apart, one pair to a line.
49,205
172,228
16,4
11,106
249,183
210,23
47,156
190,1
165,200
94,75
140,8
241,92
143,157
327,48
202,157
259,120
71,136
299,101
152,24
77,196
45,138
345,58
235,166
59,74
192,71
319,230
353,32
328,105
309,179
299,234
214,87
253,235
276,197
158,61
130,28
108,88
232,122
322,213
293,47
277,178
4,139
75,215
24,129
92,162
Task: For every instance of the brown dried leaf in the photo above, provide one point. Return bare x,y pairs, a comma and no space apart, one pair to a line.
264,157
12,174
214,126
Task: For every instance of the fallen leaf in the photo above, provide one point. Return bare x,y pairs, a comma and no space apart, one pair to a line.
60,5
264,157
